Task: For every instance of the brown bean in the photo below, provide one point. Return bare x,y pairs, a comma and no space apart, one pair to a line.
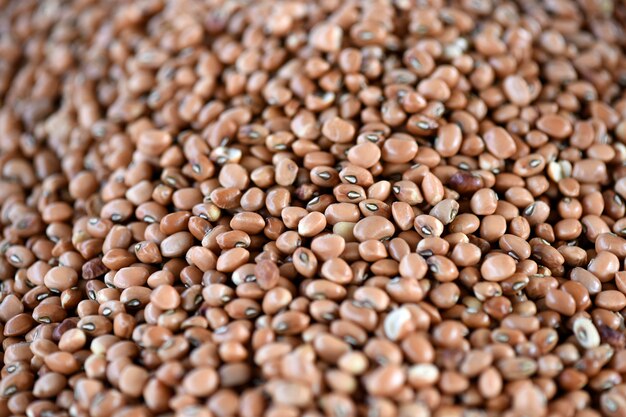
171,176
385,381
555,126
232,259
484,202
251,223
311,224
373,227
60,278
499,142
497,267
561,302
364,155
337,129
132,380
49,385
176,244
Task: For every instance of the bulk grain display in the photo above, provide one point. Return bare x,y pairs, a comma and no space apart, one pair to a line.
386,208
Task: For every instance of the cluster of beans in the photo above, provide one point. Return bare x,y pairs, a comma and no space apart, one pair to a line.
383,208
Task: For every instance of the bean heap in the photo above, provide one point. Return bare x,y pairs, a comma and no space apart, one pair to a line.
382,208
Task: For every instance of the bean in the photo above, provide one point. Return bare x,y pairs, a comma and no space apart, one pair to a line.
373,227
497,267
165,297
18,325
132,380
365,155
232,259
312,208
499,142
561,302
311,224
385,380
60,278
176,244
131,276
49,385
484,202
555,126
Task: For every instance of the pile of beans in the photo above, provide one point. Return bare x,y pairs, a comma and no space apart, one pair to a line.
381,208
